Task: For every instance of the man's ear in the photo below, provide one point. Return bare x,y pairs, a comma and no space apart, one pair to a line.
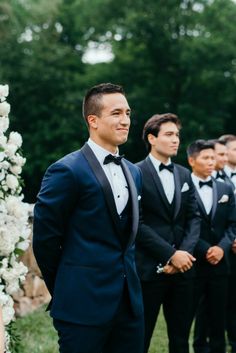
151,139
92,121
191,161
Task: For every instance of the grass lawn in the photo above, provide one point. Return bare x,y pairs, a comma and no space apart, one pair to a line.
38,335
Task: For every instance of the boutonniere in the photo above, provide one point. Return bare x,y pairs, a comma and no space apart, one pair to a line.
224,198
139,197
185,187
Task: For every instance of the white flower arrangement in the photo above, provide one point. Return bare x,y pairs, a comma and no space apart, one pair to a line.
14,227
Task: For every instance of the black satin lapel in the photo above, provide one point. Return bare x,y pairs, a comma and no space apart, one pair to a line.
200,204
134,201
177,191
158,184
214,199
106,187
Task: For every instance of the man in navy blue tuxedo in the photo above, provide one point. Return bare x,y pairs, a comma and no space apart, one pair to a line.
85,222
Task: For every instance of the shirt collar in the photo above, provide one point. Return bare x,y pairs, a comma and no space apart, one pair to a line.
99,151
156,162
229,170
197,179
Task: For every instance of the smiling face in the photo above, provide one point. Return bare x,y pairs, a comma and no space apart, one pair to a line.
166,143
203,163
110,129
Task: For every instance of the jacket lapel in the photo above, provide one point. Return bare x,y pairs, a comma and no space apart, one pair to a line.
158,184
177,198
101,177
134,202
214,199
201,205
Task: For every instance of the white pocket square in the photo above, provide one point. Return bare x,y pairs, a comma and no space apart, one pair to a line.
139,197
185,187
224,198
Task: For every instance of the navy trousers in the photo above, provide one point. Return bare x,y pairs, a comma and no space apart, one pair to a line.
124,334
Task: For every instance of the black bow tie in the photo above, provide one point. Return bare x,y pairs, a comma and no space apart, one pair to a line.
169,167
110,158
220,175
232,174
208,183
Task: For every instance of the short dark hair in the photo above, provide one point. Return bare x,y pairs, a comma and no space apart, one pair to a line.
153,125
92,101
227,138
194,149
215,141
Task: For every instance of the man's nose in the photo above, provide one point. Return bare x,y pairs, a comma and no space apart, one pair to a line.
125,120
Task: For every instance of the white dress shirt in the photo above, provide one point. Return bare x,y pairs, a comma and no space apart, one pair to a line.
205,192
114,174
167,178
214,174
228,172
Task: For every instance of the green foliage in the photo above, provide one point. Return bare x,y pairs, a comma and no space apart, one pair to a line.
37,333
177,56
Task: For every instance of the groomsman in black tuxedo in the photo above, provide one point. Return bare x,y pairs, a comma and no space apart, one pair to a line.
230,171
201,330
216,203
168,233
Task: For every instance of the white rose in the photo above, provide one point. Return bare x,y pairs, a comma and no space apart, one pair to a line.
8,311
23,245
4,109
3,140
15,139
4,91
10,149
18,160
16,169
5,165
2,174
4,123
2,156
12,182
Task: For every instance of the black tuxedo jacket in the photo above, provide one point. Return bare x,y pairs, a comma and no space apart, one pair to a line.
78,240
217,228
160,232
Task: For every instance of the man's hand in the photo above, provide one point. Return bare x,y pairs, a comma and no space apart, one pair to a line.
214,254
182,260
234,247
170,270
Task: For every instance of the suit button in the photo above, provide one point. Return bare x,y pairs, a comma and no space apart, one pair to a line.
124,275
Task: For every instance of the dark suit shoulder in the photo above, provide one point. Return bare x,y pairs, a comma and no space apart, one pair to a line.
182,169
223,187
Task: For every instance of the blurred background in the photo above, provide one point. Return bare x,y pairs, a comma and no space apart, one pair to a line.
174,56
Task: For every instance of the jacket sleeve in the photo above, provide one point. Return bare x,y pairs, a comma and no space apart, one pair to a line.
193,221
51,213
230,232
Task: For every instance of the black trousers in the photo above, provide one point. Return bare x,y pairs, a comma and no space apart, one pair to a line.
124,334
231,313
175,293
210,292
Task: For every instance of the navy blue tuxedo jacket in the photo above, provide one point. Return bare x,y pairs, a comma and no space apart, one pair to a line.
160,233
218,228
77,240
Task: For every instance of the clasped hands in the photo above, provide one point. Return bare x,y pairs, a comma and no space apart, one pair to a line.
214,254
181,261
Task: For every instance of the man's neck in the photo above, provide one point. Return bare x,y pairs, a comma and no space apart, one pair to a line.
161,158
200,176
231,166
